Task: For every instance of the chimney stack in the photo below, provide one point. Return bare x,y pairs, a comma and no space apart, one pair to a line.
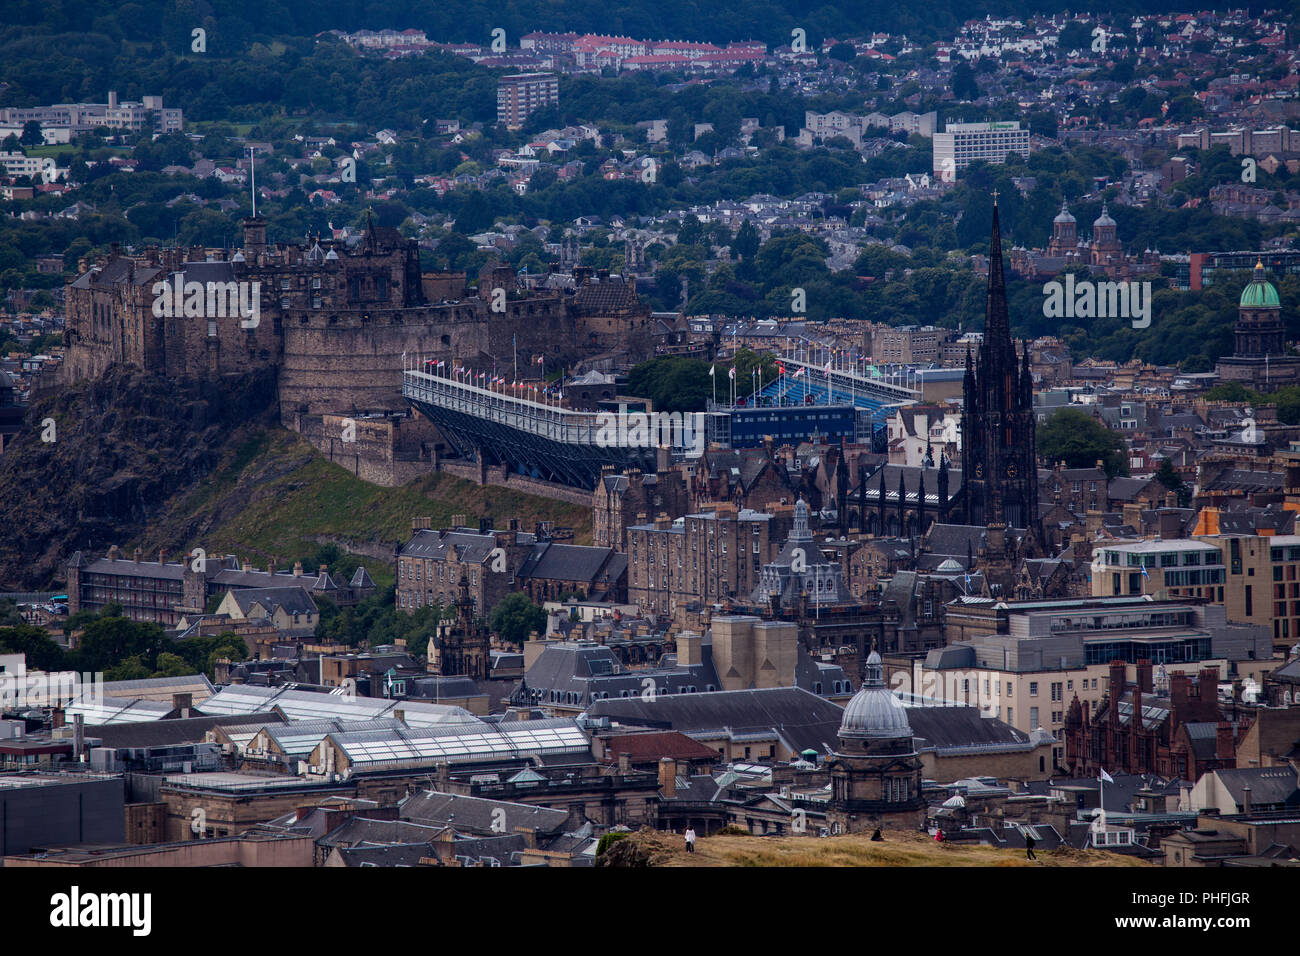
1144,677
668,777
1246,801
1224,745
297,569
135,555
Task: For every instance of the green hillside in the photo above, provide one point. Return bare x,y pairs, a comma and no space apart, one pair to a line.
275,496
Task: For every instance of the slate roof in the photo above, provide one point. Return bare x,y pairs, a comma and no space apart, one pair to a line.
1268,785
955,729
477,815
585,668
127,567
156,733
564,562
471,547
293,600
801,719
405,854
360,831
1203,736
1126,489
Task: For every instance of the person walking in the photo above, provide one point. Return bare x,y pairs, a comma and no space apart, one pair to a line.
1029,847
690,839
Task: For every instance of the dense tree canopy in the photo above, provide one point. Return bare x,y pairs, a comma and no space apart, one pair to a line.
1078,439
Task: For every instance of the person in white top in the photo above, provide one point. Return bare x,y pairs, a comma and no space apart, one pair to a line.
690,839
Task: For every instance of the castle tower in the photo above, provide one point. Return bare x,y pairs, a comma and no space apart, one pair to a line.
254,238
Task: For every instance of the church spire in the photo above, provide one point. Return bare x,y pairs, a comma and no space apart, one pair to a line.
997,322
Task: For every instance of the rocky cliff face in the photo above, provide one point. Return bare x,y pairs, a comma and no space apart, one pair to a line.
123,445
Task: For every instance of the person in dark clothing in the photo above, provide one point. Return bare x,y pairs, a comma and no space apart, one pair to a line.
876,837
1029,847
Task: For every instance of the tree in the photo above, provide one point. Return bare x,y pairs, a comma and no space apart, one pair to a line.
41,652
1166,475
516,616
31,135
1078,439
747,241
964,86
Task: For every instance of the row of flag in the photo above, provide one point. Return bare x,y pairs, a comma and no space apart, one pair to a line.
486,379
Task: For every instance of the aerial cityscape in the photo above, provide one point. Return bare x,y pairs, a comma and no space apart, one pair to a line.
644,436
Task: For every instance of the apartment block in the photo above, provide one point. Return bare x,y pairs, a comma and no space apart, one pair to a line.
699,558
521,95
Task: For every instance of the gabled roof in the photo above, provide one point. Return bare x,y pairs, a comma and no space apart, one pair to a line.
1268,785
293,600
564,562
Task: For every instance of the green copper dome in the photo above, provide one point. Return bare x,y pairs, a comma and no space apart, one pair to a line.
1259,294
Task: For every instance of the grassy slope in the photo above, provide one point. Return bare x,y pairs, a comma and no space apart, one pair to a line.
274,495
898,849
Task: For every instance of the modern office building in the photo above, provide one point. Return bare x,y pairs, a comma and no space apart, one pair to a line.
1025,662
964,143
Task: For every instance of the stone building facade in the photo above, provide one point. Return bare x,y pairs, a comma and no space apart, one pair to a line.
701,558
875,770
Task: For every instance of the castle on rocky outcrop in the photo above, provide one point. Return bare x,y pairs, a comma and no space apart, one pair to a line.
336,323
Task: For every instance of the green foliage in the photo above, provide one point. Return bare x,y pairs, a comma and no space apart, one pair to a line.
107,641
377,621
608,840
516,616
41,651
675,384
1078,439
1231,392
